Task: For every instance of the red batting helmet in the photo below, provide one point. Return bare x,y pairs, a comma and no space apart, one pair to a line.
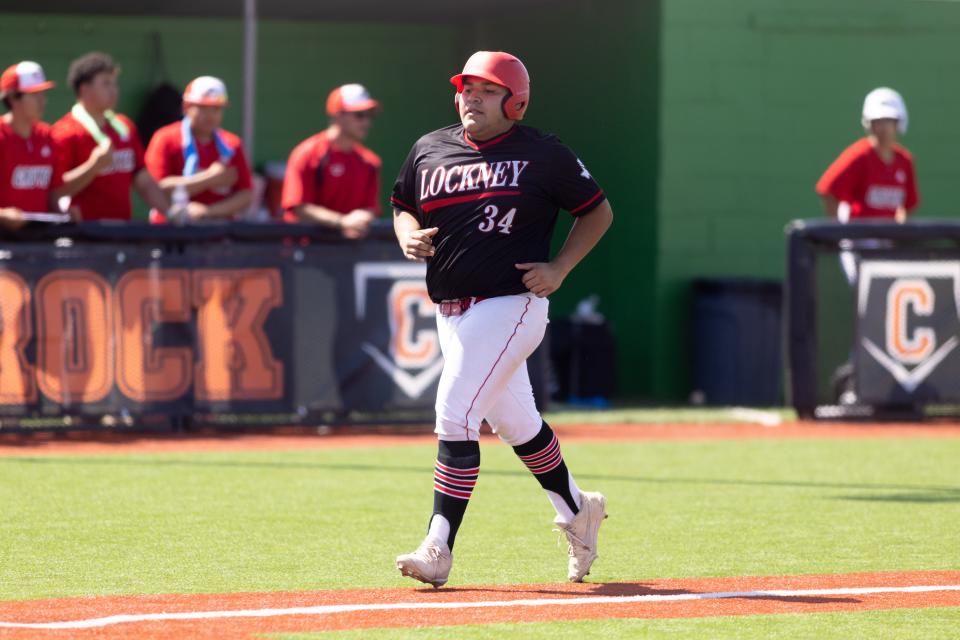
503,69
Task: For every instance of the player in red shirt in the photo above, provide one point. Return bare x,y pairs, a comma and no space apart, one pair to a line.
197,154
29,174
101,152
874,177
332,179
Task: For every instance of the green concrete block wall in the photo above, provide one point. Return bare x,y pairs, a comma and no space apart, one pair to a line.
757,98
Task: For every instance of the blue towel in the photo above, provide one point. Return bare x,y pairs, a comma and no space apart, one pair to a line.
191,157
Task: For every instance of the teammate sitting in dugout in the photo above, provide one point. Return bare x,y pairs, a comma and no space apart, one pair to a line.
332,179
195,153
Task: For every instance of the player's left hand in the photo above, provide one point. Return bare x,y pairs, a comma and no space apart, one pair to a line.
541,278
196,210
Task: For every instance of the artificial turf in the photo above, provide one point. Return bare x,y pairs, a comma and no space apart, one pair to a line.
316,519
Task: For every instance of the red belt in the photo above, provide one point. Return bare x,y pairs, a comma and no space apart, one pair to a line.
458,306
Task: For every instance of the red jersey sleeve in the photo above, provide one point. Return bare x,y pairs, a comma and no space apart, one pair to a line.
136,143
913,197
842,176
239,160
373,190
63,137
299,182
56,179
157,156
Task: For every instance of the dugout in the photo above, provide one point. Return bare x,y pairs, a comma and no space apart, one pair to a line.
404,52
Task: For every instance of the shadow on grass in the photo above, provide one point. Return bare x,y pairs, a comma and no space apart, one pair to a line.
916,498
634,589
914,493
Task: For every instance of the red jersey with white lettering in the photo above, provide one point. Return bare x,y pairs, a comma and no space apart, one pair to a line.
28,168
495,205
341,181
872,188
165,158
107,197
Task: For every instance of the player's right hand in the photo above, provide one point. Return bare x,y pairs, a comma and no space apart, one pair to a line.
356,224
221,175
102,156
418,245
11,218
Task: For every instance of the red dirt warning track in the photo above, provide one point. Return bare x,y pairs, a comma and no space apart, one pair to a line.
737,596
94,443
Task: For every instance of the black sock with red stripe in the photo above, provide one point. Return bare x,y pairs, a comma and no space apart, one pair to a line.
543,457
458,466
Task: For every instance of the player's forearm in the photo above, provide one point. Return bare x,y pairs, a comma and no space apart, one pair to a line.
78,178
11,218
150,191
403,224
584,236
318,214
197,183
230,206
830,204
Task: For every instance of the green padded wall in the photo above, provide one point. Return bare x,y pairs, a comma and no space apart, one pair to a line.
757,98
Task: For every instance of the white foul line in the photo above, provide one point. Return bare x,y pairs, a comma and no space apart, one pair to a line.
553,602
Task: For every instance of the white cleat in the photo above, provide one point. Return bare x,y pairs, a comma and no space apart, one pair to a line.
430,563
582,534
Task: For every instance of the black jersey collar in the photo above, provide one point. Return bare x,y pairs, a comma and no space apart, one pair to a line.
486,144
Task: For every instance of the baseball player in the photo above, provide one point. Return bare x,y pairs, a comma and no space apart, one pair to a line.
198,155
332,179
101,152
478,202
29,171
873,179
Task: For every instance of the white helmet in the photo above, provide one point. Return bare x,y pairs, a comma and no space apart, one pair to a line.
885,103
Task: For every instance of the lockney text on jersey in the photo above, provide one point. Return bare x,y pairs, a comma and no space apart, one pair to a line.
470,177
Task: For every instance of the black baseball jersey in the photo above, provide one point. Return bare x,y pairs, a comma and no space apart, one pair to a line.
495,204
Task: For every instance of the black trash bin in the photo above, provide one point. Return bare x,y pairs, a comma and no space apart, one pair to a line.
584,357
737,342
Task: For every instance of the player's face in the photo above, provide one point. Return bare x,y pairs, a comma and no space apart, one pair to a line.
481,108
884,129
204,118
30,106
101,93
356,124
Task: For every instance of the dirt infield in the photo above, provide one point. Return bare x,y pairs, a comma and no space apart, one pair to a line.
303,438
242,614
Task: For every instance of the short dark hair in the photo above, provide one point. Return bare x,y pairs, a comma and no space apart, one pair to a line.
8,99
85,68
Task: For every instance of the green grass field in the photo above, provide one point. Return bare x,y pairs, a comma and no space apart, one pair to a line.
314,519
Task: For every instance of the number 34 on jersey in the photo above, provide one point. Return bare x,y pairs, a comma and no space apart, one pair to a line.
493,220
